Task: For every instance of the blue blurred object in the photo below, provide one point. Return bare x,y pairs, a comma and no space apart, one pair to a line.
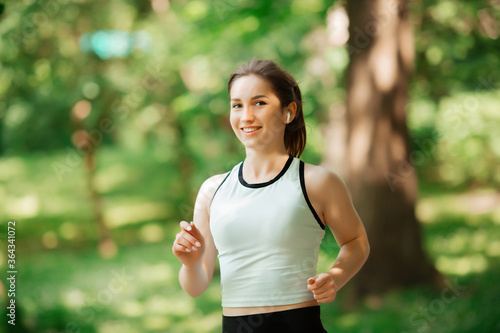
115,43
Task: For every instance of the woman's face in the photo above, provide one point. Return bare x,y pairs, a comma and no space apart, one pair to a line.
257,117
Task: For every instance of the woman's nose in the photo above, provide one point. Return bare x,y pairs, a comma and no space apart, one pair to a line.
247,115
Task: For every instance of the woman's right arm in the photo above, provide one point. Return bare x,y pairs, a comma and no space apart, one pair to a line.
194,245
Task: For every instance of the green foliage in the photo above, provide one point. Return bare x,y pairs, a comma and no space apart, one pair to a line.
454,97
171,90
179,80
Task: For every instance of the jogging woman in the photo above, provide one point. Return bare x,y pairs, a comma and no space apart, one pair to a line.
265,219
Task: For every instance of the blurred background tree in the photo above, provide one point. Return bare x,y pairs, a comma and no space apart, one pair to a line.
148,80
377,161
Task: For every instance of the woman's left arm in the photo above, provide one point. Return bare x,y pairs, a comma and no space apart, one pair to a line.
330,198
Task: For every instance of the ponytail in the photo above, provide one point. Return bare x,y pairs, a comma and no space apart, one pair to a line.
295,131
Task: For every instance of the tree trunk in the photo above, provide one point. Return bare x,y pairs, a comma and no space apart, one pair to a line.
378,171
81,139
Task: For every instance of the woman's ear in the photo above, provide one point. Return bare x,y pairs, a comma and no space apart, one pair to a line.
292,110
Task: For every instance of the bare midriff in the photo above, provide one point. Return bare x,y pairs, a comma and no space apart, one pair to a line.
243,311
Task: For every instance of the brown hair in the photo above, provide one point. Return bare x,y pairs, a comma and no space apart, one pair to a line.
287,90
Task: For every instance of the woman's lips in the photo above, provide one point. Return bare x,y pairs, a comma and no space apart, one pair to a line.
248,131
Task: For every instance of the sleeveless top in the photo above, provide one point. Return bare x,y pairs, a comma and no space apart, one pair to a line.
267,236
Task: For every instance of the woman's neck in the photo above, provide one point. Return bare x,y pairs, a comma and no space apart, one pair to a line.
262,166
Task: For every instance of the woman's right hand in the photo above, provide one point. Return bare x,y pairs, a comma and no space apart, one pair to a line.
189,244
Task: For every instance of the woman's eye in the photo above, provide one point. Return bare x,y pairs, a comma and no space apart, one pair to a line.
236,106
260,103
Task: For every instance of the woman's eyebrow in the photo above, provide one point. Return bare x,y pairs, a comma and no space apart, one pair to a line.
254,97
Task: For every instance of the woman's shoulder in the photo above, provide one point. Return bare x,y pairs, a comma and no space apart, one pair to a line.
213,182
209,186
321,179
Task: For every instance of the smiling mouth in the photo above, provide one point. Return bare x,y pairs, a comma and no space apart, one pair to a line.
250,129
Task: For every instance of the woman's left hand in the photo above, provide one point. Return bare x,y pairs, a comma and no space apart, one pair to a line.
323,287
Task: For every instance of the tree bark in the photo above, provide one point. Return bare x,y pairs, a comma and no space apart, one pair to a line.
378,171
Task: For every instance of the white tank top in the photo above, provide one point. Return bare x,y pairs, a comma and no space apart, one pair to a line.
267,236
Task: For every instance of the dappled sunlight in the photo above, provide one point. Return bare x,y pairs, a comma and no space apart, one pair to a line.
496,216
11,167
65,198
493,248
151,233
479,240
160,273
68,230
116,326
110,178
338,25
199,75
198,323
134,212
3,193
467,241
467,148
25,206
477,202
195,10
465,265
384,63
157,304
73,298
452,244
131,308
483,202
156,322
427,210
213,293
64,205
124,298
360,145
463,241
180,305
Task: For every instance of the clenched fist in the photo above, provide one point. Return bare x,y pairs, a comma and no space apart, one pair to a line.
323,287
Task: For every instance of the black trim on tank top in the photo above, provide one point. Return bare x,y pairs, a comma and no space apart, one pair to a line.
219,187
303,185
258,185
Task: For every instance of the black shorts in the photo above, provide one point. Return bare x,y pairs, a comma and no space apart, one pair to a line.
302,320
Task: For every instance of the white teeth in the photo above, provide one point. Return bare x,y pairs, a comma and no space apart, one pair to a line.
250,129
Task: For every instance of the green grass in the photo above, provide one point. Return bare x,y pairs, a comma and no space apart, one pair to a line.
63,285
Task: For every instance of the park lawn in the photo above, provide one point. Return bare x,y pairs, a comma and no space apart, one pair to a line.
63,285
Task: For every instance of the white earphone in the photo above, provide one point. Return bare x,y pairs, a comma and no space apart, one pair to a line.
288,118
